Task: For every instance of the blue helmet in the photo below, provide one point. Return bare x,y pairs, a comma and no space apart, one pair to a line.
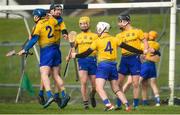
39,12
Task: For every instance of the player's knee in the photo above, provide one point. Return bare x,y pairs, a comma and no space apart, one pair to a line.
129,82
55,75
136,85
99,88
153,83
83,86
144,86
120,86
83,83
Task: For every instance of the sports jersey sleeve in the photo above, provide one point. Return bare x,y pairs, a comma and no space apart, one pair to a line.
117,36
130,48
31,42
53,21
36,30
95,37
63,26
157,46
141,34
118,41
84,54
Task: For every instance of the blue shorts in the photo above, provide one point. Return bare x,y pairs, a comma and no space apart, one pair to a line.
88,64
148,70
130,65
107,70
50,56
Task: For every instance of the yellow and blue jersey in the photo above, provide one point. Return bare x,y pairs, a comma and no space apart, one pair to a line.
106,47
45,29
132,37
43,32
58,29
152,44
83,41
130,62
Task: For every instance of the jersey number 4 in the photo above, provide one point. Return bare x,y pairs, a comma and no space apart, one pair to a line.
108,48
48,28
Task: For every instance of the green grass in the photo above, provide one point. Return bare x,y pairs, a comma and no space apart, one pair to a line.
13,30
32,108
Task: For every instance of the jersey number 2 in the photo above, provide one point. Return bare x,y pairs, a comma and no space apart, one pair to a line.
108,48
48,28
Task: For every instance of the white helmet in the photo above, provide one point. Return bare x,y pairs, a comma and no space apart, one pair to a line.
102,27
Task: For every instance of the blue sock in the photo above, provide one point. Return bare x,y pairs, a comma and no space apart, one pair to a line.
136,102
118,102
49,94
144,102
56,95
127,104
41,93
106,101
157,99
63,94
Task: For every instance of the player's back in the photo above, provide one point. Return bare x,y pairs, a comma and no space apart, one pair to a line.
45,29
153,44
106,47
131,37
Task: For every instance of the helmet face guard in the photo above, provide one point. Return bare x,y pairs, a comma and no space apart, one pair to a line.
54,6
124,17
56,10
124,20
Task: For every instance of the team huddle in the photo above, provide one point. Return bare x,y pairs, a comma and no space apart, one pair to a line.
97,59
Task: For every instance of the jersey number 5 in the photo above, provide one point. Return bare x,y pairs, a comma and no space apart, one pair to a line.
48,28
108,48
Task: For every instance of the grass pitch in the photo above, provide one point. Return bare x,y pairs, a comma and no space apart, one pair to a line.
34,108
